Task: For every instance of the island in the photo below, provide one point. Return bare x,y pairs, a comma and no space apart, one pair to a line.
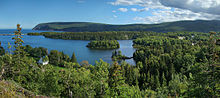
104,44
117,56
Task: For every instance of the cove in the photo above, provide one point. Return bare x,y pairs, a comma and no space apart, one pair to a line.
69,46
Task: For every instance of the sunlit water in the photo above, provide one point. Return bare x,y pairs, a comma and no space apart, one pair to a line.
69,46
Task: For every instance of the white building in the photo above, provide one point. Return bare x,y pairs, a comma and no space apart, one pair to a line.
181,37
43,61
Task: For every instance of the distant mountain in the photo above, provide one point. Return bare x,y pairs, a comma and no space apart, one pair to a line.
197,26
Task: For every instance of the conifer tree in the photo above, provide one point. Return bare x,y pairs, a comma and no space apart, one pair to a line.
148,77
164,81
115,78
152,82
73,59
19,50
157,81
2,50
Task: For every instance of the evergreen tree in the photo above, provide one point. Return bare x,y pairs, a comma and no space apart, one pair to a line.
148,77
54,57
73,58
2,50
157,81
19,50
164,81
152,82
116,79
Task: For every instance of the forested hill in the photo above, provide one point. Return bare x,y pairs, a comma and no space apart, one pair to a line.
197,26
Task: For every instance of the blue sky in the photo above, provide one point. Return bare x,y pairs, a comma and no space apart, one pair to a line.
29,13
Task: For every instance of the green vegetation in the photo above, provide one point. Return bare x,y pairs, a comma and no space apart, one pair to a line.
122,35
34,34
104,44
117,56
73,59
205,26
2,50
90,35
167,66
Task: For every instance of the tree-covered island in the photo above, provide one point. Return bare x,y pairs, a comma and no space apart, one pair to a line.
104,44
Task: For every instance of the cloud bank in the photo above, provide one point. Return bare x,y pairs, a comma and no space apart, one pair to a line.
174,10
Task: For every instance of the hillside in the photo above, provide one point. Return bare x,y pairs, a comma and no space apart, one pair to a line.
197,26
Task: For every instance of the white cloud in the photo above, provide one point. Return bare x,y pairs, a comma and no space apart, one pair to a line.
139,10
114,11
174,10
134,9
123,9
153,4
207,6
115,16
175,15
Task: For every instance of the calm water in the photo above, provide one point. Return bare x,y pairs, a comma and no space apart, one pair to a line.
69,46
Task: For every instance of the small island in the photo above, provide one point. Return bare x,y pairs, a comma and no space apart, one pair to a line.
34,34
117,56
104,44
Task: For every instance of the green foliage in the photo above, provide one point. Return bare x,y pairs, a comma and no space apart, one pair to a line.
34,34
117,56
104,44
58,58
55,57
111,35
101,78
73,58
205,26
36,52
166,67
2,50
116,79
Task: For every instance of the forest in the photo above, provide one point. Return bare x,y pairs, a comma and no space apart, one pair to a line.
90,35
117,56
186,25
172,64
104,44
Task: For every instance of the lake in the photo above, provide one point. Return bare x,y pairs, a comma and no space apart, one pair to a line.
69,46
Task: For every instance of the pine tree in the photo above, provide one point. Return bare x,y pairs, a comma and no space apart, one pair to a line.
2,50
172,69
73,59
164,81
19,52
152,82
148,77
157,81
116,78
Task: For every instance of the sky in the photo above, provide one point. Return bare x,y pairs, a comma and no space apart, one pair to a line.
29,13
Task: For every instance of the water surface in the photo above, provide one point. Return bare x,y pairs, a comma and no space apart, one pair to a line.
69,46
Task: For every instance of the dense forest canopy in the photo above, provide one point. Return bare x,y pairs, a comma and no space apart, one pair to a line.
173,64
104,44
120,35
191,26
113,35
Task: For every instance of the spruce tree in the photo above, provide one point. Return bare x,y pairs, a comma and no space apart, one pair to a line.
164,81
2,50
157,81
148,77
73,59
19,51
116,78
